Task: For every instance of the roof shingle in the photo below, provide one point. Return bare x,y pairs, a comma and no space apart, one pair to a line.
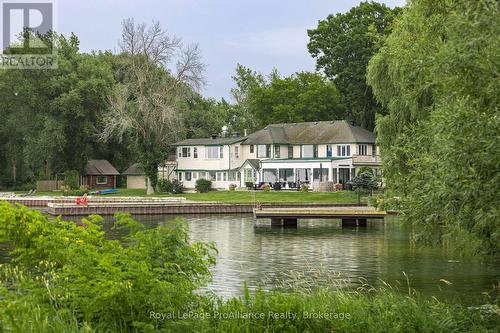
99,167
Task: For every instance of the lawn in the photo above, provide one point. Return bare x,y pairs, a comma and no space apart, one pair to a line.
260,196
247,196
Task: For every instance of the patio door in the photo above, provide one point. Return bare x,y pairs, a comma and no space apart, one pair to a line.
344,175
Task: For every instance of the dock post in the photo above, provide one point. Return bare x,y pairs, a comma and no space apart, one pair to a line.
354,222
283,222
276,222
290,222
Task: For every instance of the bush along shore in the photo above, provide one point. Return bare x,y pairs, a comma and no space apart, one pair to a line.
67,277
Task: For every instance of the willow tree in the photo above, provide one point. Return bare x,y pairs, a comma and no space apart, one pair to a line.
160,73
437,74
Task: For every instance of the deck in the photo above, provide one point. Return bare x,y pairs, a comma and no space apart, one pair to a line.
350,215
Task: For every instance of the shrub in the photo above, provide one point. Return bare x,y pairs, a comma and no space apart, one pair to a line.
72,179
168,186
203,185
304,188
68,268
232,187
266,187
78,192
249,185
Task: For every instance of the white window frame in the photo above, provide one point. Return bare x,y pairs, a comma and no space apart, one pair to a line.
187,150
101,182
303,151
212,152
344,150
277,151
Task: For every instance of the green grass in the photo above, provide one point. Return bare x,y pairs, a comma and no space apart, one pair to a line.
246,196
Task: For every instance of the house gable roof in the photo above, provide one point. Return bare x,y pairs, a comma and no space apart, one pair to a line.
99,168
319,132
134,170
254,163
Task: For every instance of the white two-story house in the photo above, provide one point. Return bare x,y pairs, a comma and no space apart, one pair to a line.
291,154
216,159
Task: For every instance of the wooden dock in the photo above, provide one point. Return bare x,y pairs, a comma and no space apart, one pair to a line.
350,215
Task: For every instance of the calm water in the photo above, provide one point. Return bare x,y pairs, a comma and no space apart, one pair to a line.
321,251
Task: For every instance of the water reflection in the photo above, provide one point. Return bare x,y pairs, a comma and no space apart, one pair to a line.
321,251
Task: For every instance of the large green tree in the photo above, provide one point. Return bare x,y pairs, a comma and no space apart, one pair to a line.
299,97
437,74
49,118
262,100
342,45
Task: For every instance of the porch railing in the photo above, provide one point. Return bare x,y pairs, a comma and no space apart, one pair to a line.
366,159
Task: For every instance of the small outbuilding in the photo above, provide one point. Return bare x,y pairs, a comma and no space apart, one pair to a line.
99,174
136,177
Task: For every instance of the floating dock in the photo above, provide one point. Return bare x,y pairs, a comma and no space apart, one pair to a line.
350,215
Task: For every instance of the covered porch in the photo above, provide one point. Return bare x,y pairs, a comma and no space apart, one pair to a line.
293,175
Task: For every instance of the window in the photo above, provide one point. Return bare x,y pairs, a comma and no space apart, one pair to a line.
374,150
186,152
195,175
231,176
290,151
307,151
221,150
195,152
179,175
212,152
263,150
220,176
277,151
344,150
249,175
236,152
187,176
362,150
320,174
101,180
328,150
252,149
179,152
202,175
211,175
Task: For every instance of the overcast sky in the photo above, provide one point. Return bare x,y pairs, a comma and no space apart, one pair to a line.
256,33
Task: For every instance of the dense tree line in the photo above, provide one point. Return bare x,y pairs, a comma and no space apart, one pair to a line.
437,74
49,118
